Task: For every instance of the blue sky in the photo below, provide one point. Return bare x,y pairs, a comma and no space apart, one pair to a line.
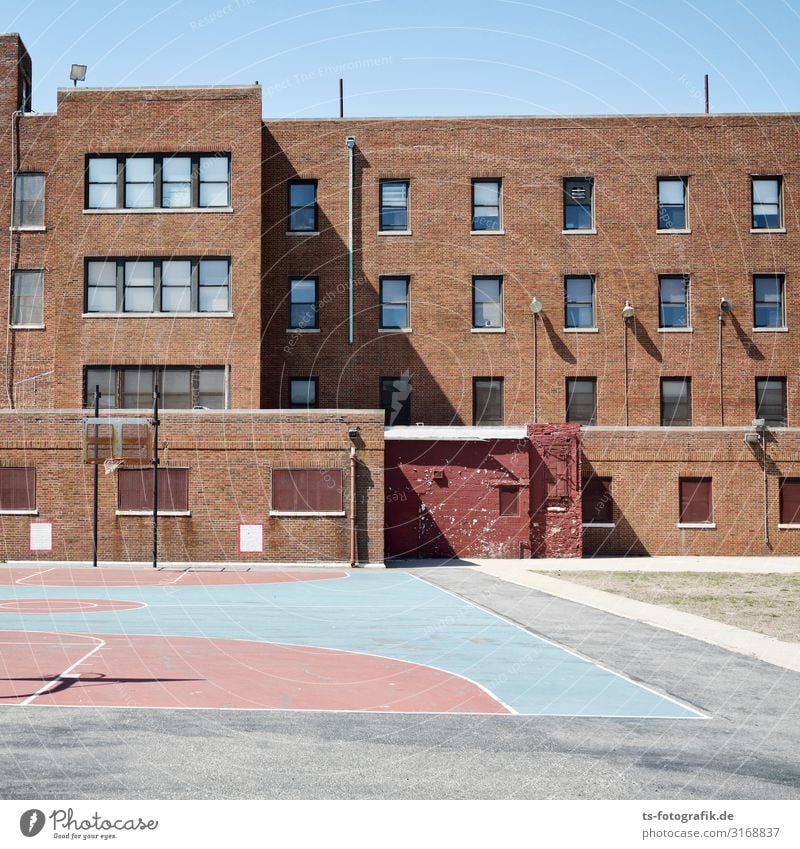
429,57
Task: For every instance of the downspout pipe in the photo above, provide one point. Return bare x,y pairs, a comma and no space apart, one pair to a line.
11,244
353,517
351,148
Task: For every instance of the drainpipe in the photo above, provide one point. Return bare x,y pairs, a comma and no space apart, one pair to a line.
353,470
11,241
351,145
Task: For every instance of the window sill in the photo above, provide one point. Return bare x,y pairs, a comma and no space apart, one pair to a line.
394,330
676,231
22,229
581,330
487,232
556,509
33,512
155,210
789,527
305,514
488,330
141,315
150,513
767,230
770,330
394,232
592,232
300,330
302,232
709,526
599,525
26,327
676,329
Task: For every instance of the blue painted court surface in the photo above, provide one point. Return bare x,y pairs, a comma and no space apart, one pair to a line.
386,613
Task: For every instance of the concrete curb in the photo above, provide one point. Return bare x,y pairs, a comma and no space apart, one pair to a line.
776,652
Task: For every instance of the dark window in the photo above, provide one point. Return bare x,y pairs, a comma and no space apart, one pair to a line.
395,400
486,205
579,203
768,301
673,301
303,392
135,490
177,285
26,307
131,387
303,206
29,200
303,303
672,203
163,181
695,501
487,395
394,303
394,204
767,211
579,302
790,501
596,501
307,491
17,488
509,500
487,302
771,400
582,400
676,401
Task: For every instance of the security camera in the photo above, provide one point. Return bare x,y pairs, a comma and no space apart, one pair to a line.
353,432
351,142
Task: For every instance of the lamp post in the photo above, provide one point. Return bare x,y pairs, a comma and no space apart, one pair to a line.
725,308
536,307
628,313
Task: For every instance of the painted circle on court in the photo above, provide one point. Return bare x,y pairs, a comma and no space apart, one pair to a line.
54,606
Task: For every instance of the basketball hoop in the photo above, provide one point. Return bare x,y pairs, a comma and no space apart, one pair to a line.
112,464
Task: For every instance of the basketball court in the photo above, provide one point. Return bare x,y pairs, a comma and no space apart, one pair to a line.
296,639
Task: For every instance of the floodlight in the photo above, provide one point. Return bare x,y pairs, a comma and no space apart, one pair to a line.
628,310
752,438
725,305
536,306
77,73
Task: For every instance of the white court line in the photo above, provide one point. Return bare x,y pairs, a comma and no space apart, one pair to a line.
701,714
67,672
34,574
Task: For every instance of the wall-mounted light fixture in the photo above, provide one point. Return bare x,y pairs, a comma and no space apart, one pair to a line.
628,312
536,307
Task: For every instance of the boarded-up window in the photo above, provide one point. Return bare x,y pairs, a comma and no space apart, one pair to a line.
509,500
307,490
135,490
790,501
695,500
597,503
17,488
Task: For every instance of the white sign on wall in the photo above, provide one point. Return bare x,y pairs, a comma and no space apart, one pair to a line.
41,536
251,539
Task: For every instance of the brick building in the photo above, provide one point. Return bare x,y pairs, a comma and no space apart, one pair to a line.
324,267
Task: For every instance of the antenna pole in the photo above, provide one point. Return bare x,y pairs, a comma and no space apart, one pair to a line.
706,86
341,97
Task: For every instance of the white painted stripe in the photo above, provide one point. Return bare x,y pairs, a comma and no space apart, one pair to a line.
66,673
27,577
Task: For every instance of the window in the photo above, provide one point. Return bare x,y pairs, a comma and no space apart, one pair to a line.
596,502
676,401
18,489
395,400
29,200
394,205
582,400
579,203
487,302
695,501
303,491
181,387
672,203
790,501
26,306
303,392
394,303
486,205
179,285
768,301
303,206
135,490
303,303
181,181
579,302
487,400
673,301
771,400
767,206
508,500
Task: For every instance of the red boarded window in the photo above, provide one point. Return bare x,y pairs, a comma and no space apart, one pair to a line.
790,501
17,488
135,490
307,490
509,500
597,503
695,501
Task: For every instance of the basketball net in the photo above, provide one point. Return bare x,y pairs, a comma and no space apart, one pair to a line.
112,464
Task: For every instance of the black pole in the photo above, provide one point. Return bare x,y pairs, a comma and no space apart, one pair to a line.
341,97
156,395
96,484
